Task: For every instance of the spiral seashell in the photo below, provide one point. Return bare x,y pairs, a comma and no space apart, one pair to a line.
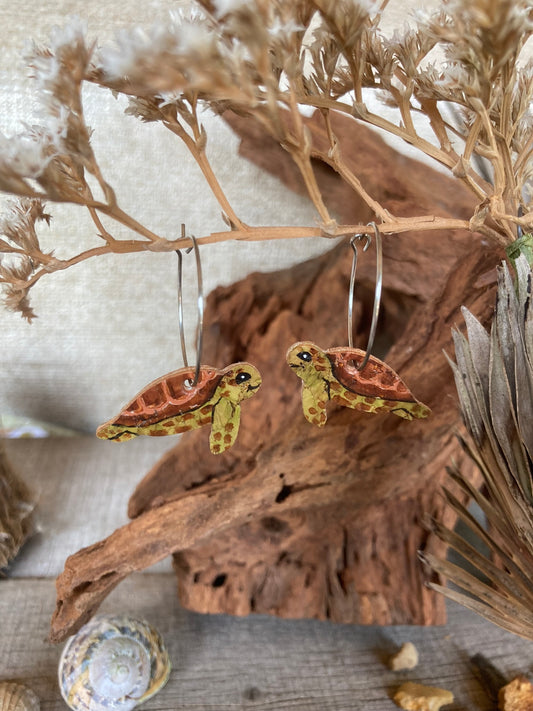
113,662
17,697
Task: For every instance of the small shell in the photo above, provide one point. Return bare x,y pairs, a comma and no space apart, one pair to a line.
16,697
113,662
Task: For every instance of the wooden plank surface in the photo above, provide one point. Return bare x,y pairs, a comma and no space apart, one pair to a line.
261,663
219,662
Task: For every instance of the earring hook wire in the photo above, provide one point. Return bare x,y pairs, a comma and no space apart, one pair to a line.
200,307
377,292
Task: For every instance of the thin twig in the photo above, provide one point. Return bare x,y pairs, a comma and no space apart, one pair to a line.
108,191
404,104
205,166
502,166
119,215
440,127
102,232
525,221
334,159
301,155
119,247
379,122
497,164
524,156
396,226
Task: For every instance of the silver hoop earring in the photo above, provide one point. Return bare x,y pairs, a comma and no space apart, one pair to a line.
190,397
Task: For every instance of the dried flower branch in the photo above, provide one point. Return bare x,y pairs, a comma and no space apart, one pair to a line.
266,58
494,379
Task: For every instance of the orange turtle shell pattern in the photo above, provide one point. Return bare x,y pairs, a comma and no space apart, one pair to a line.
172,405
332,375
377,379
169,396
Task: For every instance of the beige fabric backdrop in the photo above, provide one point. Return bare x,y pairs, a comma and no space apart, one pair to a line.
109,326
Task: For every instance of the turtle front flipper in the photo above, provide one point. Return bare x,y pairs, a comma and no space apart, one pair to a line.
225,420
310,363
314,398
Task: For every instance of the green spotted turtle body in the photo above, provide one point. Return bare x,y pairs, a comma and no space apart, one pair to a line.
333,375
173,405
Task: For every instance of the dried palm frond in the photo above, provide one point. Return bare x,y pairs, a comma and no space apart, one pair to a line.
494,380
16,505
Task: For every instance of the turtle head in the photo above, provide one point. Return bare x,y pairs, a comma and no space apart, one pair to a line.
240,381
308,360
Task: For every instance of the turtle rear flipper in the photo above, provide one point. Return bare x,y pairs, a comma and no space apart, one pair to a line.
225,420
411,410
115,433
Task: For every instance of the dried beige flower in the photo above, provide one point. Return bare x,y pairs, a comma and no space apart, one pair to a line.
270,59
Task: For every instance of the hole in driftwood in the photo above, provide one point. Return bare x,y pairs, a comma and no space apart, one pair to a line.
284,493
219,581
273,524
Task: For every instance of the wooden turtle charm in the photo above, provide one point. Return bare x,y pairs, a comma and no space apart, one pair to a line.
171,405
332,375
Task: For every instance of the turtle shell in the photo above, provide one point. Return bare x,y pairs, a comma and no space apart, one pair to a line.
169,396
377,379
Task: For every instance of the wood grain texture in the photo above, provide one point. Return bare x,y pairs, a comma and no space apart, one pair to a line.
262,663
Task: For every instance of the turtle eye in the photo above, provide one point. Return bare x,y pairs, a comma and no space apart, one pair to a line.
242,377
305,355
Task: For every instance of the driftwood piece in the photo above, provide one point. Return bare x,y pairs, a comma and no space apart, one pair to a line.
295,520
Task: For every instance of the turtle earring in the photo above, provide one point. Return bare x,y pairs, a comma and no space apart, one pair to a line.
190,397
349,376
